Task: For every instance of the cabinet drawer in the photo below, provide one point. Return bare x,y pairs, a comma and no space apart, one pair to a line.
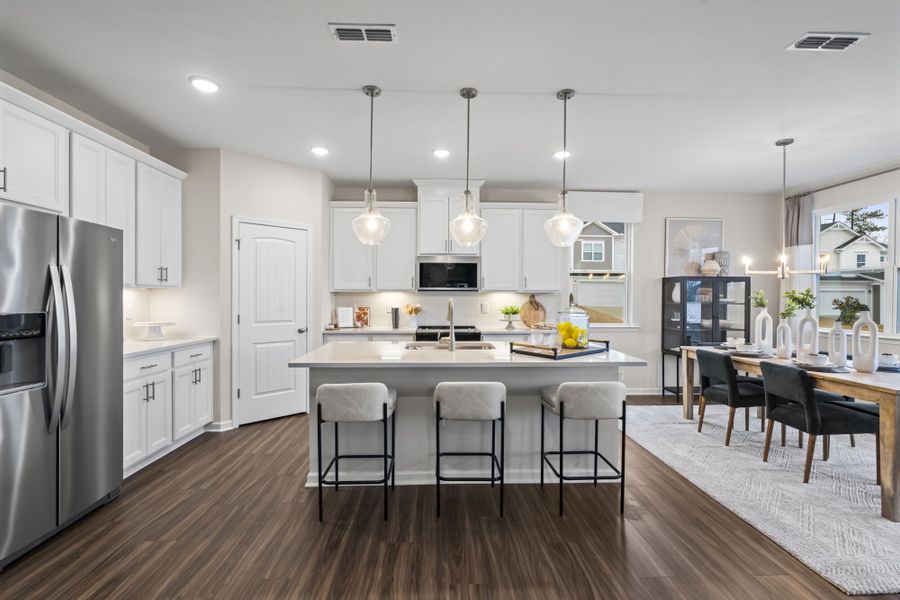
193,354
146,365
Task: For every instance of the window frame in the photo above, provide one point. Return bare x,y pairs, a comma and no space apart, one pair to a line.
890,313
863,256
629,314
593,245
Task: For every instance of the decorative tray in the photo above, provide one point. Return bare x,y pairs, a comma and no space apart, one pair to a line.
554,353
826,368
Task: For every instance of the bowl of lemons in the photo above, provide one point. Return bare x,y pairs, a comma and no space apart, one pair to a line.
571,335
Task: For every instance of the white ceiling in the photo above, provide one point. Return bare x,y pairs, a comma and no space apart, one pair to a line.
672,94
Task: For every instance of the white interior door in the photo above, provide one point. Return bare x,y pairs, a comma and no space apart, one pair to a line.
272,282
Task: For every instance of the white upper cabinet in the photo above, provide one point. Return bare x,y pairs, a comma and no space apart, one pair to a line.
542,262
34,160
120,193
501,267
352,262
157,229
395,258
88,180
439,202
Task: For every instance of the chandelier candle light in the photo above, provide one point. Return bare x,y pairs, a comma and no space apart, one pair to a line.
783,270
371,226
468,228
563,228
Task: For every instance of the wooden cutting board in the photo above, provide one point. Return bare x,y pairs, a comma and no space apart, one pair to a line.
532,312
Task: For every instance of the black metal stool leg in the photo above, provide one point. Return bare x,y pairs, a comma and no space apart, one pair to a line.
493,449
336,459
437,457
384,423
596,447
542,444
394,448
502,447
562,449
622,479
319,447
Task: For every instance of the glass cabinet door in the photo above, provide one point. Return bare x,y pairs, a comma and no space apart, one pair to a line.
699,313
673,314
732,309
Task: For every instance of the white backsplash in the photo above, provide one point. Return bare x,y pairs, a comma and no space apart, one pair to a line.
434,306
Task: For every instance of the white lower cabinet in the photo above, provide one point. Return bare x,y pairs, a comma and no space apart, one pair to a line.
164,405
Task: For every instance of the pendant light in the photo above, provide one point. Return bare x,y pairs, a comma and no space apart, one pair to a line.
371,226
563,228
783,270
468,228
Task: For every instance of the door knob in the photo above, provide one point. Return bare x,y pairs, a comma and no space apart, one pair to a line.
301,330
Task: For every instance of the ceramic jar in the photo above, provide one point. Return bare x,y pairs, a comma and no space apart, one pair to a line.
763,331
710,268
865,361
837,345
784,347
808,333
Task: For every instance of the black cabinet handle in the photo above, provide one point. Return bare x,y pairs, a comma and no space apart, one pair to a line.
149,366
3,170
301,330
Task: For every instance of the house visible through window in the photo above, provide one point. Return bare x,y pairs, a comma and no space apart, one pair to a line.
599,272
852,239
593,251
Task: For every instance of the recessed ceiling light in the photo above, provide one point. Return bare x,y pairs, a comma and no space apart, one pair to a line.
441,153
560,154
204,84
319,150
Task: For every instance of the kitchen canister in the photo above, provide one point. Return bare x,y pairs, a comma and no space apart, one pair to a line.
837,345
865,361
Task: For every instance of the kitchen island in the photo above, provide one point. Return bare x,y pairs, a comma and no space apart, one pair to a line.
415,369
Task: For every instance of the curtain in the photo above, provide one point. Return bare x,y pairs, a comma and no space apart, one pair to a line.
799,242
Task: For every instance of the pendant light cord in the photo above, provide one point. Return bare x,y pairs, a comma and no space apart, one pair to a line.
468,135
371,135
783,194
565,152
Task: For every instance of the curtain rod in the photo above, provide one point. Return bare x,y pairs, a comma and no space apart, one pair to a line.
847,182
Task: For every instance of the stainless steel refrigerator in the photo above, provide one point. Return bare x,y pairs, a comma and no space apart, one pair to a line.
60,373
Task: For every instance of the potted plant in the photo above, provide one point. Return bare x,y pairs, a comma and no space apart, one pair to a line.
807,343
849,308
763,331
783,333
510,312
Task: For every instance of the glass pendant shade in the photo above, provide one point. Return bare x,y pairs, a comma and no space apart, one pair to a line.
468,228
563,228
371,227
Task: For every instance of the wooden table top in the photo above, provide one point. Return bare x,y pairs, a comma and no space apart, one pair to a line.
884,383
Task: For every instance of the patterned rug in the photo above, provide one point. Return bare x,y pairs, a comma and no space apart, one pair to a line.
833,524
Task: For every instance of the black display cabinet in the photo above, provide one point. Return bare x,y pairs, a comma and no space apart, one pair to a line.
698,311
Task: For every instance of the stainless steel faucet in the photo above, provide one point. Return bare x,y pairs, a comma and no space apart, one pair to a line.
450,318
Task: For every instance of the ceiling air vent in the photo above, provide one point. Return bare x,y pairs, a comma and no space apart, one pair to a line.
356,32
821,41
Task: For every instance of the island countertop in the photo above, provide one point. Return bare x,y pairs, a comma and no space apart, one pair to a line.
395,354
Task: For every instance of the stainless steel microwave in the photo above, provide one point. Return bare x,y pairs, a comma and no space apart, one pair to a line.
448,273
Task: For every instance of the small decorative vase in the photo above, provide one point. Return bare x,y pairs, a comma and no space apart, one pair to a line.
783,340
413,321
865,361
837,345
808,334
763,331
710,268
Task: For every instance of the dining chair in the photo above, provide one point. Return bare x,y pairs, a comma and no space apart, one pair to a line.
719,383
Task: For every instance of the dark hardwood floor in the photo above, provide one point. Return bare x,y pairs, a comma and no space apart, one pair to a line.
227,516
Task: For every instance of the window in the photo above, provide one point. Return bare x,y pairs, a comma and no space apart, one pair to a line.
600,273
854,278
593,251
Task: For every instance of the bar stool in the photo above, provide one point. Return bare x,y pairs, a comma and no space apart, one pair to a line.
584,401
354,403
470,401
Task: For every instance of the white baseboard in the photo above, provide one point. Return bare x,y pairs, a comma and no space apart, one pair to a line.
220,426
158,455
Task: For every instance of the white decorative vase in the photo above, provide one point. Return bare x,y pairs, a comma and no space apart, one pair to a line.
710,268
808,334
763,331
837,345
413,321
783,340
865,361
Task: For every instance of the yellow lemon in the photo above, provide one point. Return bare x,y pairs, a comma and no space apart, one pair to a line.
570,343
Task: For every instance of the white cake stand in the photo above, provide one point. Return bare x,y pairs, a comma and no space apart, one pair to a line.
154,329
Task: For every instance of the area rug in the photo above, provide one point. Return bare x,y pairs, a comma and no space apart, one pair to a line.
833,524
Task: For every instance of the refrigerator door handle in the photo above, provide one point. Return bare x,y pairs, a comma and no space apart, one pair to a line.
65,411
62,342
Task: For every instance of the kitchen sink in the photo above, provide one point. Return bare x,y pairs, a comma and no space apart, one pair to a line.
446,346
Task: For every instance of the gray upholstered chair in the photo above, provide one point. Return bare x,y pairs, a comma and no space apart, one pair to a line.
719,382
355,403
585,401
791,399
470,401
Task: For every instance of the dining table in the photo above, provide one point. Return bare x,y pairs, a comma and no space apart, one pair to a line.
880,387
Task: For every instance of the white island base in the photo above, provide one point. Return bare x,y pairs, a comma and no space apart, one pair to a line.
415,373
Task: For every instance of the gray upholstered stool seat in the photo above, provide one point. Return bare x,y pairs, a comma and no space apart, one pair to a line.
470,401
586,401
356,403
